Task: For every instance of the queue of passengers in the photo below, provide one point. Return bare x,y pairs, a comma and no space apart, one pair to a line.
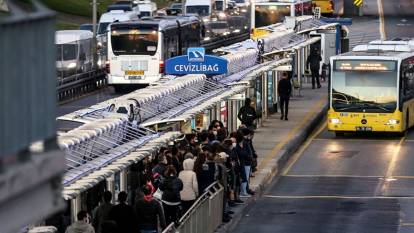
176,178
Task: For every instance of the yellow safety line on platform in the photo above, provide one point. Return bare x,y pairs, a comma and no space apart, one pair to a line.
382,19
298,154
292,133
355,140
334,176
335,197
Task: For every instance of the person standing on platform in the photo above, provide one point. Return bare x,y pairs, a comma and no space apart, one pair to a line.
149,213
82,225
284,89
102,212
314,62
123,215
247,114
190,186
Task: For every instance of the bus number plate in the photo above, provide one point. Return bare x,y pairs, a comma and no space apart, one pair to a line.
363,128
134,72
134,77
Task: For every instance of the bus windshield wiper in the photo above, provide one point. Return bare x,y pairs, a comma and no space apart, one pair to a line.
374,105
349,107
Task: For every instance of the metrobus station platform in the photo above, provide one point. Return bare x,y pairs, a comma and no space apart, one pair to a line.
276,141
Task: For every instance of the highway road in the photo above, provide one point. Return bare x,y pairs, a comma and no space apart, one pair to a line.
353,184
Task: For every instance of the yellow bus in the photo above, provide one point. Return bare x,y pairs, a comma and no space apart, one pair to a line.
327,6
372,88
266,13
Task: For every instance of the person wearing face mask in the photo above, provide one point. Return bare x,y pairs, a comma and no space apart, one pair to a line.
234,171
171,187
245,157
209,171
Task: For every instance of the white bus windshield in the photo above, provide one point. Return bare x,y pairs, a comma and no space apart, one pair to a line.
103,28
200,10
267,15
134,40
66,52
364,86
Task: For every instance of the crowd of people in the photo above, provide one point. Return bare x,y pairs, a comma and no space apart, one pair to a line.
176,177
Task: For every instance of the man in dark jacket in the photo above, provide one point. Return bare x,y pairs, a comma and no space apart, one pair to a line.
123,215
102,212
247,114
313,62
171,187
284,89
148,212
210,172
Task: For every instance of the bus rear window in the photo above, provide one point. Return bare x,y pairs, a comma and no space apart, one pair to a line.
134,40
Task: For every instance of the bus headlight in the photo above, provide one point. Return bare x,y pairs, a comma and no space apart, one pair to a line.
392,122
335,121
71,65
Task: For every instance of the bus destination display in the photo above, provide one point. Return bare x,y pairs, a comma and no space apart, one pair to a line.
364,65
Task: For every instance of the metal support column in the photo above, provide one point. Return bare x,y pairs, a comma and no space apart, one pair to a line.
110,186
75,207
264,96
123,181
275,93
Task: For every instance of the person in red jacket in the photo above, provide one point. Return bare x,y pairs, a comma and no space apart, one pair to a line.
149,213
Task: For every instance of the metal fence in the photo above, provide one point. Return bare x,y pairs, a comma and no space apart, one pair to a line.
206,214
78,68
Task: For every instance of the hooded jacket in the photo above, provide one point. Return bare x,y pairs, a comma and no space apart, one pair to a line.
189,179
80,227
171,187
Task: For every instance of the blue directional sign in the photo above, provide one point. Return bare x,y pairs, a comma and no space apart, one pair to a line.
196,62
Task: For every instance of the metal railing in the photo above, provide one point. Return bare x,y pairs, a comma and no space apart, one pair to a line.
206,214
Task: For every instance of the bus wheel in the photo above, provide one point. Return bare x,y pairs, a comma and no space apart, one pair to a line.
339,134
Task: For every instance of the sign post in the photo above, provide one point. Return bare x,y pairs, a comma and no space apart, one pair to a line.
196,62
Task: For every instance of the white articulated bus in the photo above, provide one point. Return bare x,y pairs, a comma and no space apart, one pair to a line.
137,49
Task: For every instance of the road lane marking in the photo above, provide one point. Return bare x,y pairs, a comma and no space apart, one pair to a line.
403,177
334,176
382,19
335,197
292,134
407,224
395,156
298,154
383,186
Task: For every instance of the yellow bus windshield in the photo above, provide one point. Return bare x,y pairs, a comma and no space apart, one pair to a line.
364,86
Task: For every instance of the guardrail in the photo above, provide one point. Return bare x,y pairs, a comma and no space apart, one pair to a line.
217,43
206,214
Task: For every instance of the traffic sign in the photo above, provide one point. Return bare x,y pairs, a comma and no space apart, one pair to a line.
358,3
196,62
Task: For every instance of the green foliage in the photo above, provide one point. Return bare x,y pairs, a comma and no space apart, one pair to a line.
66,26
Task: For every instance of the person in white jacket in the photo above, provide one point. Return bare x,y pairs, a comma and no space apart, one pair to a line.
190,186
